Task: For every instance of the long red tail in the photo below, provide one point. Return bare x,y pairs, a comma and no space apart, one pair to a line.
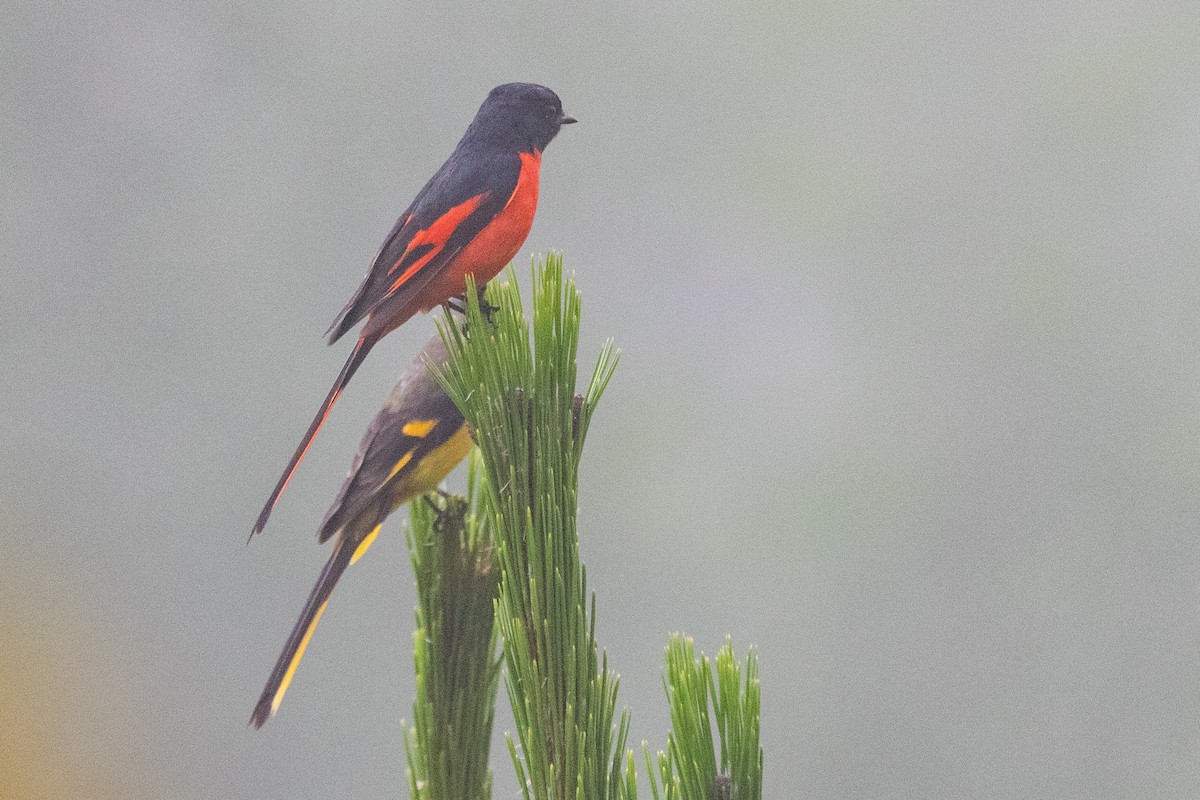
351,366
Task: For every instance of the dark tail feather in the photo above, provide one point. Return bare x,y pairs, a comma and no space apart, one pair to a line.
351,366
349,316
293,651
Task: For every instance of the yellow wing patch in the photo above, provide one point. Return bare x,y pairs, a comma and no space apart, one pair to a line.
401,464
419,428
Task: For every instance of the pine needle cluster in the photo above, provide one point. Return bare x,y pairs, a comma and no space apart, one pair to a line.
450,542
515,544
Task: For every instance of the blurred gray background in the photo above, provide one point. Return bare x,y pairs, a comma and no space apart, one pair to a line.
909,396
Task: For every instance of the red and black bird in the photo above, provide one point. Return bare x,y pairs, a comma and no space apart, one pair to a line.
471,218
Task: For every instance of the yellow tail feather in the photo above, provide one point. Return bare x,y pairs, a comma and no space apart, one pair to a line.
295,662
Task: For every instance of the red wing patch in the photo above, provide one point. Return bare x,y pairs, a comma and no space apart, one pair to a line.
426,244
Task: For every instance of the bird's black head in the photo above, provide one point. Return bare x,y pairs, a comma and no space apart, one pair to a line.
524,115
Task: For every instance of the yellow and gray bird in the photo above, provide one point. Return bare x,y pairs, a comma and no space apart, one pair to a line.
409,448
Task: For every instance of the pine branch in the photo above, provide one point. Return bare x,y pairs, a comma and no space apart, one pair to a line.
688,769
515,384
454,647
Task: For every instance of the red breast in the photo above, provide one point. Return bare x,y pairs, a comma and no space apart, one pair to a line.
496,244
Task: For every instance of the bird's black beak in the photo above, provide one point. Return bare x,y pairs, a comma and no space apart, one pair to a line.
565,120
